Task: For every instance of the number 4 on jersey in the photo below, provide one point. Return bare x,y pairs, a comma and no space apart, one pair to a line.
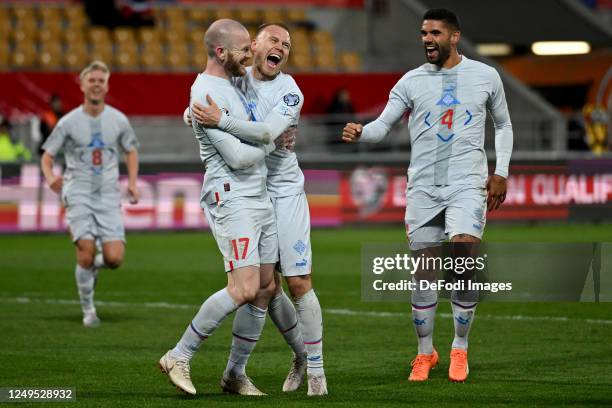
447,119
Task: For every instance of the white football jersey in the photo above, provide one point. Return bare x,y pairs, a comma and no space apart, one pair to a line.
219,177
92,147
448,109
282,95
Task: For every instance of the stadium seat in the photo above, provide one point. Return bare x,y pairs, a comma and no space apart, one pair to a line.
325,61
222,12
350,61
102,52
177,57
73,36
296,15
174,36
24,11
123,35
248,15
198,59
199,16
50,56
99,35
151,57
126,58
300,60
23,37
272,15
148,35
48,36
75,56
23,56
49,13
75,17
4,56
197,37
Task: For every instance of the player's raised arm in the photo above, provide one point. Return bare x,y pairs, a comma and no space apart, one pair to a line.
504,139
376,131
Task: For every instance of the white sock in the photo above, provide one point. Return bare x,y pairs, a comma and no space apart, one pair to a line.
310,322
248,325
99,261
423,317
212,312
283,314
85,279
463,316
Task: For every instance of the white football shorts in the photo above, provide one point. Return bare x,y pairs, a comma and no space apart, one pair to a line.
293,224
437,213
85,223
245,231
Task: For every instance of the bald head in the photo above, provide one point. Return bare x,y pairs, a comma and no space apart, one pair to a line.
223,33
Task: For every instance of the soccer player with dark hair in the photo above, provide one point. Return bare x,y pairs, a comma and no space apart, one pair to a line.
449,189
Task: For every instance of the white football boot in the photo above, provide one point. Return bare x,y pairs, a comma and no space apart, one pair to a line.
317,385
178,371
90,319
295,378
240,385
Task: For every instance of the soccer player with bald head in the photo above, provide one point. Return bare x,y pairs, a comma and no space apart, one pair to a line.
238,209
275,102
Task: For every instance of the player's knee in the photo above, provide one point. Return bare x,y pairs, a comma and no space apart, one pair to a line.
299,285
268,291
113,261
85,259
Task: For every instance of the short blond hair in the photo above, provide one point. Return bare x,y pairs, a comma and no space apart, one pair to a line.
95,66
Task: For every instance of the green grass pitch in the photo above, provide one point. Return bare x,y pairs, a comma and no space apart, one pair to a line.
559,354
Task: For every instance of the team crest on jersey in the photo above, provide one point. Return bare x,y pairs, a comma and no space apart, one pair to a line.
299,247
291,99
225,111
448,98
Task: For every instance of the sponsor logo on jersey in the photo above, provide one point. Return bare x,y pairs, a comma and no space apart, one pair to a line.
302,263
299,247
448,98
291,99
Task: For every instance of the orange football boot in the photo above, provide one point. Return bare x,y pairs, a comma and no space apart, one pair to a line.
458,370
421,366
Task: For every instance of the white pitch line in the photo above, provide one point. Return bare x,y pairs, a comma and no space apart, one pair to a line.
344,312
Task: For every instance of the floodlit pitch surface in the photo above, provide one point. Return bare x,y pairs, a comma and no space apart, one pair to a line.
538,354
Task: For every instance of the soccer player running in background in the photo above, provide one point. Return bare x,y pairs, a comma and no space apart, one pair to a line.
448,189
92,137
238,209
275,102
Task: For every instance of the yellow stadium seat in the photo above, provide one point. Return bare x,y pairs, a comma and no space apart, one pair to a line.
174,36
296,15
151,56
197,36
22,36
75,56
148,35
199,15
198,60
75,12
23,57
73,36
99,35
223,12
272,15
24,11
50,56
123,35
177,57
350,61
174,13
300,61
49,13
102,52
325,61
126,57
248,15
